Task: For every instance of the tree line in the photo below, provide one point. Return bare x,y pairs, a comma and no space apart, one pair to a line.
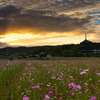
70,50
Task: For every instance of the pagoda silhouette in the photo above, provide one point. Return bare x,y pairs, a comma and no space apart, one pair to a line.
86,46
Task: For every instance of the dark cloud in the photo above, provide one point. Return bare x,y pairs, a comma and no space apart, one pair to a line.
55,5
6,15
20,20
4,23
9,11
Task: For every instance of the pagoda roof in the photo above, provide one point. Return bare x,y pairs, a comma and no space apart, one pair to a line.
86,42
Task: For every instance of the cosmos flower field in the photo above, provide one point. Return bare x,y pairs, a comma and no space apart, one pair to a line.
73,79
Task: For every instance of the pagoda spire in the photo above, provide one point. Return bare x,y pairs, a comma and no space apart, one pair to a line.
85,36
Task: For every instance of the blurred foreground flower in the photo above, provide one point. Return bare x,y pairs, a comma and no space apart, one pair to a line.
72,85
78,87
93,98
35,87
84,72
73,94
25,98
51,93
47,97
64,96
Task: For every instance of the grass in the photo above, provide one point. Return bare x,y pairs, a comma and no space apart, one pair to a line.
18,78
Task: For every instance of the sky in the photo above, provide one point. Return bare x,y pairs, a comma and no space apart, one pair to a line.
48,22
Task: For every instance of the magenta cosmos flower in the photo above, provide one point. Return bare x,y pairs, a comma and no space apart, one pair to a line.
93,98
64,96
51,93
35,87
54,85
25,98
51,89
58,96
67,74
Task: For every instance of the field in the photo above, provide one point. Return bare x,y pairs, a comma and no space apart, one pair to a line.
68,79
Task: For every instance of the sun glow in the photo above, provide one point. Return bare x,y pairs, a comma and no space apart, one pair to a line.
28,39
13,37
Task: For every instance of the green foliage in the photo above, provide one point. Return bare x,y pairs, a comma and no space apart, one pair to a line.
71,50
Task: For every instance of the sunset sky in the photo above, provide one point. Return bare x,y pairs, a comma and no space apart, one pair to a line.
48,22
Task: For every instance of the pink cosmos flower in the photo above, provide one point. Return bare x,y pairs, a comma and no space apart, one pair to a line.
53,77
25,98
78,87
86,83
35,87
47,97
92,85
86,91
51,89
72,85
67,74
93,98
84,72
73,94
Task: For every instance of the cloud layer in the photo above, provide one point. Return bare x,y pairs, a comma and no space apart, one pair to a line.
16,20
58,5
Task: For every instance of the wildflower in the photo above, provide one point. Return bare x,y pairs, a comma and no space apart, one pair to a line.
10,96
67,74
93,98
98,73
78,87
51,89
84,72
51,93
53,77
64,96
46,97
58,96
72,85
86,83
92,85
86,91
48,85
73,94
54,85
25,98
80,92
35,87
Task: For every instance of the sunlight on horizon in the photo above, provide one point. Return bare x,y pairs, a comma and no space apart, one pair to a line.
29,39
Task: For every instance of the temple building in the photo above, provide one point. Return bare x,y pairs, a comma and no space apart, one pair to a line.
86,46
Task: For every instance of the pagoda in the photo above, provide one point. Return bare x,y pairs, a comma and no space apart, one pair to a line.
86,46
